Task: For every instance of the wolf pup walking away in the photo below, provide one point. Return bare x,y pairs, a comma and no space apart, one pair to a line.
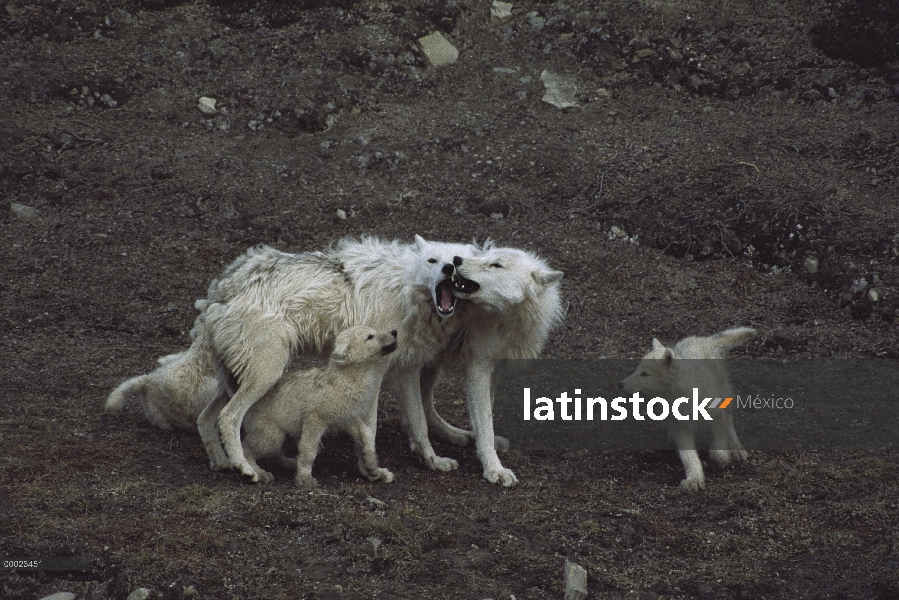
305,403
674,372
185,383
269,305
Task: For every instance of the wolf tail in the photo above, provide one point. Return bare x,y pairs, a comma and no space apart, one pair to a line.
731,338
133,388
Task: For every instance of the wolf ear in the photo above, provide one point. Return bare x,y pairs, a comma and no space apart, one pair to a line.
657,345
419,242
546,278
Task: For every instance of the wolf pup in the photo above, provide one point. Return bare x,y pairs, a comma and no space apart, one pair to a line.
305,403
674,372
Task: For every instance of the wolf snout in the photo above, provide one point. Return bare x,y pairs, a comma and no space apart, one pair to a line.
393,333
447,269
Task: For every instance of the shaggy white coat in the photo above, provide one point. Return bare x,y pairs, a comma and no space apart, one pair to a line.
305,403
674,372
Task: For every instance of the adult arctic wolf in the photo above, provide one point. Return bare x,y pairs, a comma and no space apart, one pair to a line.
269,305
306,402
516,306
674,372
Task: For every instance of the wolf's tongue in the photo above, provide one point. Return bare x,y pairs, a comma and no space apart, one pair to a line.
446,297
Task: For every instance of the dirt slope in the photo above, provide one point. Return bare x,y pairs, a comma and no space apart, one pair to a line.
719,152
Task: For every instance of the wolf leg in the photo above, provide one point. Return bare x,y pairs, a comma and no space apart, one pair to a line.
307,450
479,390
454,435
682,435
406,384
368,458
208,427
262,372
726,446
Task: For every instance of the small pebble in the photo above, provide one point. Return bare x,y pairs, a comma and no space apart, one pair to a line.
207,105
26,213
139,594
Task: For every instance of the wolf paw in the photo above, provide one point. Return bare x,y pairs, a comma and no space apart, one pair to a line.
501,443
693,484
381,474
217,464
248,472
723,458
306,483
440,463
503,476
264,478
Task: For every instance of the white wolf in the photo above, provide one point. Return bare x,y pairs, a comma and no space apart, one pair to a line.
269,305
516,305
674,372
305,403
185,383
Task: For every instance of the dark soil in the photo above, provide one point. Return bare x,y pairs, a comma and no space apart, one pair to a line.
736,142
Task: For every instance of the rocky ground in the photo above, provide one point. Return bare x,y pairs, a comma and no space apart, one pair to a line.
721,164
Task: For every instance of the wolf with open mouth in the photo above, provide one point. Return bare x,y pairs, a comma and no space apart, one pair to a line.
515,305
269,306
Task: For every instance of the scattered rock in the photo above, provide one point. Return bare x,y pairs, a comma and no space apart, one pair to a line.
645,53
375,502
119,18
617,233
536,21
26,213
102,591
341,214
438,51
139,594
873,295
500,11
811,264
108,100
207,105
60,596
560,89
575,581
858,285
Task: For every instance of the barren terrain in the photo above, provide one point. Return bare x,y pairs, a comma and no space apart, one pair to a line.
727,163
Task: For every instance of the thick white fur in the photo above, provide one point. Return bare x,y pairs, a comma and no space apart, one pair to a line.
305,403
674,372
269,305
514,310
175,394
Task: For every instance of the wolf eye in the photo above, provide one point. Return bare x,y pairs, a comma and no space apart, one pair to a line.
644,374
370,337
432,260
497,265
